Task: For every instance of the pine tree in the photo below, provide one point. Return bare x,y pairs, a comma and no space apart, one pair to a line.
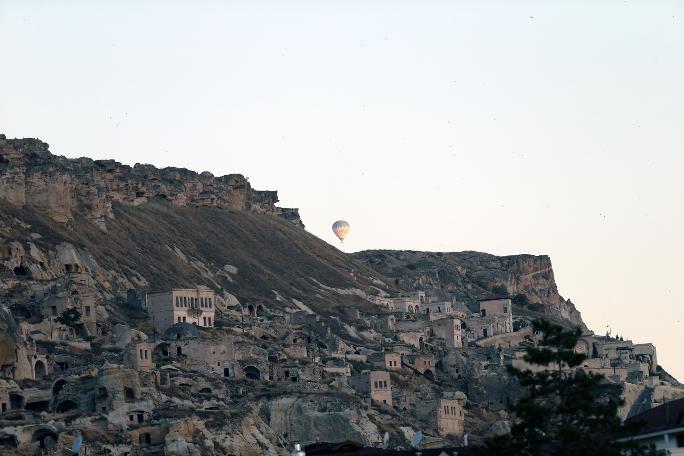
70,317
563,411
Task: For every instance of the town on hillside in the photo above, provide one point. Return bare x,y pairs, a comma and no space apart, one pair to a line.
431,365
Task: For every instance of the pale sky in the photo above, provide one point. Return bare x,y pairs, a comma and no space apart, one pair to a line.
549,127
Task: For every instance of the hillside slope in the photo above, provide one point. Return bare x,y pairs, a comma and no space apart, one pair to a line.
156,246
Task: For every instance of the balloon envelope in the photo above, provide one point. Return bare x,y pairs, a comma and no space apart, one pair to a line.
340,228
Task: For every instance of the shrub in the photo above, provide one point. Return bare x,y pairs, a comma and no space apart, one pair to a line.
521,300
500,290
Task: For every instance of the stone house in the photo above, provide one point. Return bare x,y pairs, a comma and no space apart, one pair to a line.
210,357
337,367
116,387
385,323
480,327
82,299
408,303
405,400
425,364
499,307
22,361
448,329
445,415
374,384
138,355
386,360
254,309
4,399
148,436
182,305
436,310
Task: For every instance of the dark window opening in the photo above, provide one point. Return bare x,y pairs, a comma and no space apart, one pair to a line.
252,373
57,387
66,406
145,439
38,406
21,271
179,351
16,401
8,441
129,394
39,370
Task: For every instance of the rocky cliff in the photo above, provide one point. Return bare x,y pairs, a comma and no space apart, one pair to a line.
31,176
468,276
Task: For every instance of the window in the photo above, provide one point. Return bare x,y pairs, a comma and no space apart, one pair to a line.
505,308
183,319
204,320
54,310
141,354
446,410
384,384
210,303
209,320
87,311
179,320
145,354
130,417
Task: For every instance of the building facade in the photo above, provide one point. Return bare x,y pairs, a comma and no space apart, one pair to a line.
448,329
374,384
182,305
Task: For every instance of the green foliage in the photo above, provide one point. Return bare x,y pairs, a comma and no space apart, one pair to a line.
69,317
563,412
520,299
500,290
519,324
96,347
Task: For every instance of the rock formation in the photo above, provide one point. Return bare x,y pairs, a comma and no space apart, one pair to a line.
31,176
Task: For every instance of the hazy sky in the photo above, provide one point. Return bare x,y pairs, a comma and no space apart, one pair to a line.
507,127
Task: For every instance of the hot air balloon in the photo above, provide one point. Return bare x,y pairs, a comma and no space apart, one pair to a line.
340,228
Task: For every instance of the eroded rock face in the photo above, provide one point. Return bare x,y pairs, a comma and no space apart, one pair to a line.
31,176
326,418
468,276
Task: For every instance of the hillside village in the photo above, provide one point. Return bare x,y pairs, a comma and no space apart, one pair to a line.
136,365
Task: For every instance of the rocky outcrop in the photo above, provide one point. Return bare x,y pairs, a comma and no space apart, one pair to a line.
325,418
468,276
31,176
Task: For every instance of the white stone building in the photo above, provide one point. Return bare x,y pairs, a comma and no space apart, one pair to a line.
182,305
